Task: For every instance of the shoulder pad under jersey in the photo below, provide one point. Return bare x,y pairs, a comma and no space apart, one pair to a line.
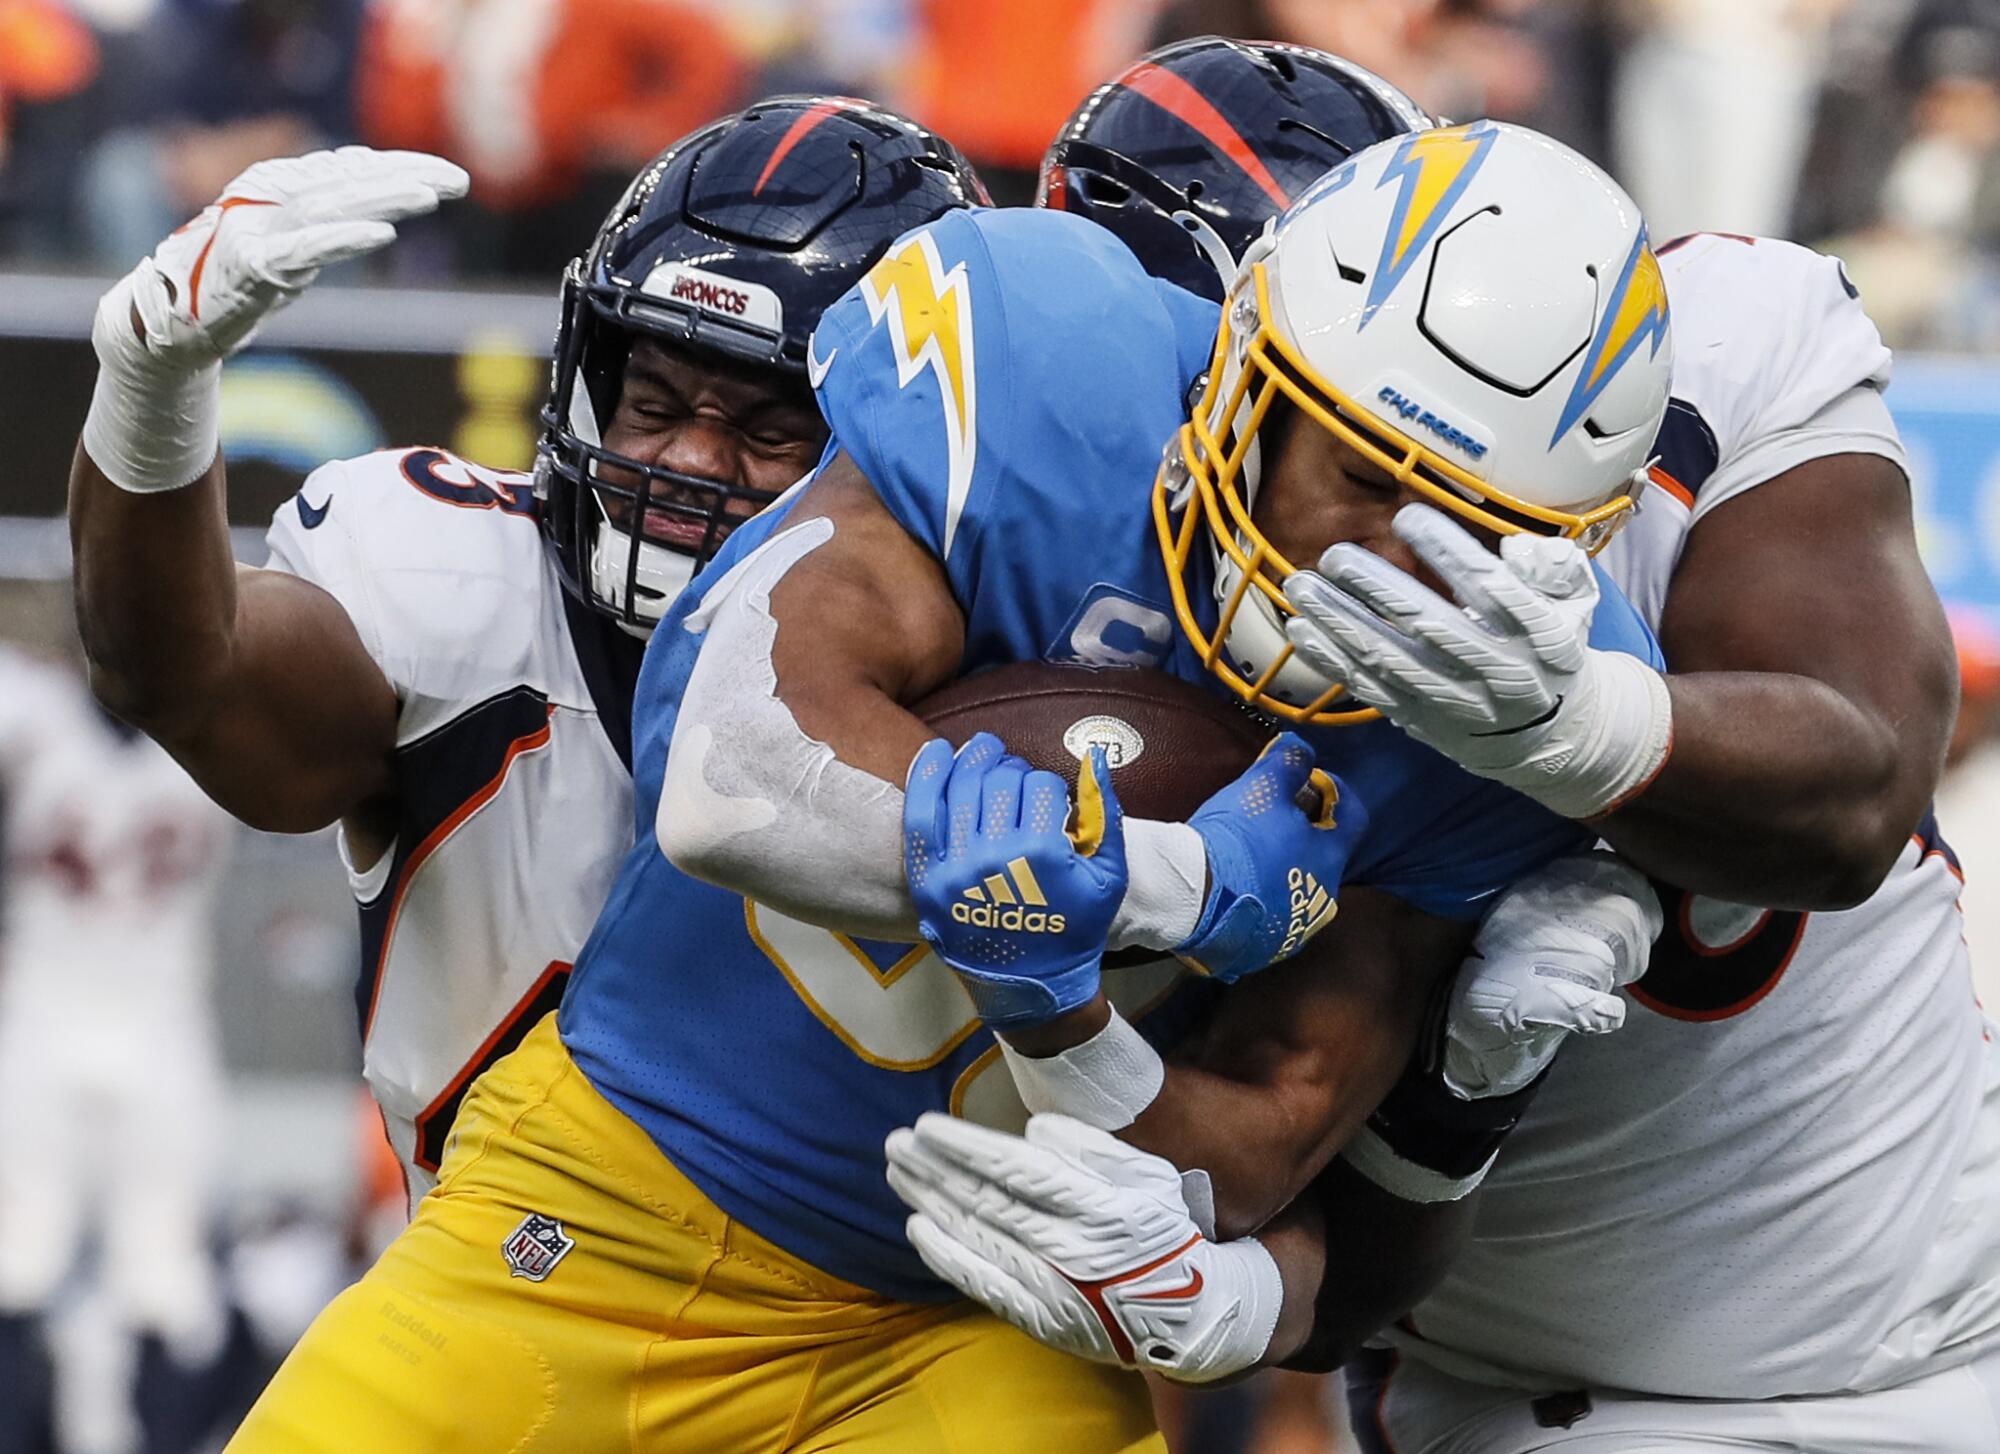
1005,370
443,570
1766,335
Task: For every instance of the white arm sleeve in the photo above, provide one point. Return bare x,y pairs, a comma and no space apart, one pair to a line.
1854,422
751,803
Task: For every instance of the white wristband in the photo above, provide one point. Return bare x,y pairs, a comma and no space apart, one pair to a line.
1375,1159
1634,731
1166,876
151,427
1104,1082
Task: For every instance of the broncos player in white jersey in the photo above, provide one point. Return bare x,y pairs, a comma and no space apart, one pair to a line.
440,656
110,1075
1766,1214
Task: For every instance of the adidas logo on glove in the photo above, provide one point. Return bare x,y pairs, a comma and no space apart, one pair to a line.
1312,906
996,906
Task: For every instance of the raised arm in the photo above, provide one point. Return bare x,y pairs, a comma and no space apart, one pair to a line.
256,681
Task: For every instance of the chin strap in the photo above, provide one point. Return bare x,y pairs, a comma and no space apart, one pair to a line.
1209,243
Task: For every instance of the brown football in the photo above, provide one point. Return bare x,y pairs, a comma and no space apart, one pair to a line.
1170,744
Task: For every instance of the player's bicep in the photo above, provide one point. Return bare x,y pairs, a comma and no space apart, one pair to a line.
303,723
866,622
1816,573
1295,1058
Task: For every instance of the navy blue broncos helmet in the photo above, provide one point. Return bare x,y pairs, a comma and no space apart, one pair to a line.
731,243
1192,150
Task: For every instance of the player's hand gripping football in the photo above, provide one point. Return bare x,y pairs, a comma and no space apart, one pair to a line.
205,289
1503,680
1084,1243
1008,893
1277,842
1547,964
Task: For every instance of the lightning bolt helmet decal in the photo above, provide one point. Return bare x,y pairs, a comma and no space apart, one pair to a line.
1635,314
1433,169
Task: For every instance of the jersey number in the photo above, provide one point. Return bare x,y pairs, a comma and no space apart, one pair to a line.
165,854
1716,960
912,1015
457,483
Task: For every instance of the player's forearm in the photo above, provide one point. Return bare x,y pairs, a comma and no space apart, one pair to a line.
1262,1139
1282,1074
1354,1259
155,586
1779,791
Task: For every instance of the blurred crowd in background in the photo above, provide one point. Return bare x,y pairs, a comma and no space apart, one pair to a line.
1869,126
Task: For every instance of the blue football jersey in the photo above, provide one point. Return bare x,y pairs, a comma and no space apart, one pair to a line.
1007,381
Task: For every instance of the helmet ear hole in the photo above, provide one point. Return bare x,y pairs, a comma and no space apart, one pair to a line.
1103,191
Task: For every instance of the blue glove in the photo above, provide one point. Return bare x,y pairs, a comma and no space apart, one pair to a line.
1015,903
1274,866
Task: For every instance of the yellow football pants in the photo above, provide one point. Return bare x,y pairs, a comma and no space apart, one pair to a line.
666,1328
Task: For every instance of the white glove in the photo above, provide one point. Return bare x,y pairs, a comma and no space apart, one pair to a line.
207,287
1547,964
1084,1243
1506,685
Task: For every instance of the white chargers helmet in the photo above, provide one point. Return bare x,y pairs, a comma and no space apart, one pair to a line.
1475,309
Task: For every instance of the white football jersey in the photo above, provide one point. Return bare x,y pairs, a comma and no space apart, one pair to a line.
1782,1176
112,860
513,796
110,1081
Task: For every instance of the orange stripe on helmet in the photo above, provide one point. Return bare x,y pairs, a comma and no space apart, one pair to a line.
808,119
1175,96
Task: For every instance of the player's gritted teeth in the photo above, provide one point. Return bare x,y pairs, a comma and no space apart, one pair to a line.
706,419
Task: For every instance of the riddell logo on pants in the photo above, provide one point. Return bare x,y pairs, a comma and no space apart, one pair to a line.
1011,900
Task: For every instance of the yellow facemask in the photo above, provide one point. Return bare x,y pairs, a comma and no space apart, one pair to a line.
1199,496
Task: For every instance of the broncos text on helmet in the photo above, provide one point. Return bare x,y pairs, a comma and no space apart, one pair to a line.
1188,154
729,244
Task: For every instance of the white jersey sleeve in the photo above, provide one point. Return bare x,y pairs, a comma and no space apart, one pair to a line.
415,544
513,803
1774,351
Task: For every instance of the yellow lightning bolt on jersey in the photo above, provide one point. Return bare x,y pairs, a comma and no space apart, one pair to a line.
929,310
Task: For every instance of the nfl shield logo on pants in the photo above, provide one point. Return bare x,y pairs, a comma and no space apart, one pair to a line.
536,1246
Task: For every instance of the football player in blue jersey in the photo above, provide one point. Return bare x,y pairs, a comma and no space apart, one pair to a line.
664,1219
1789,375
